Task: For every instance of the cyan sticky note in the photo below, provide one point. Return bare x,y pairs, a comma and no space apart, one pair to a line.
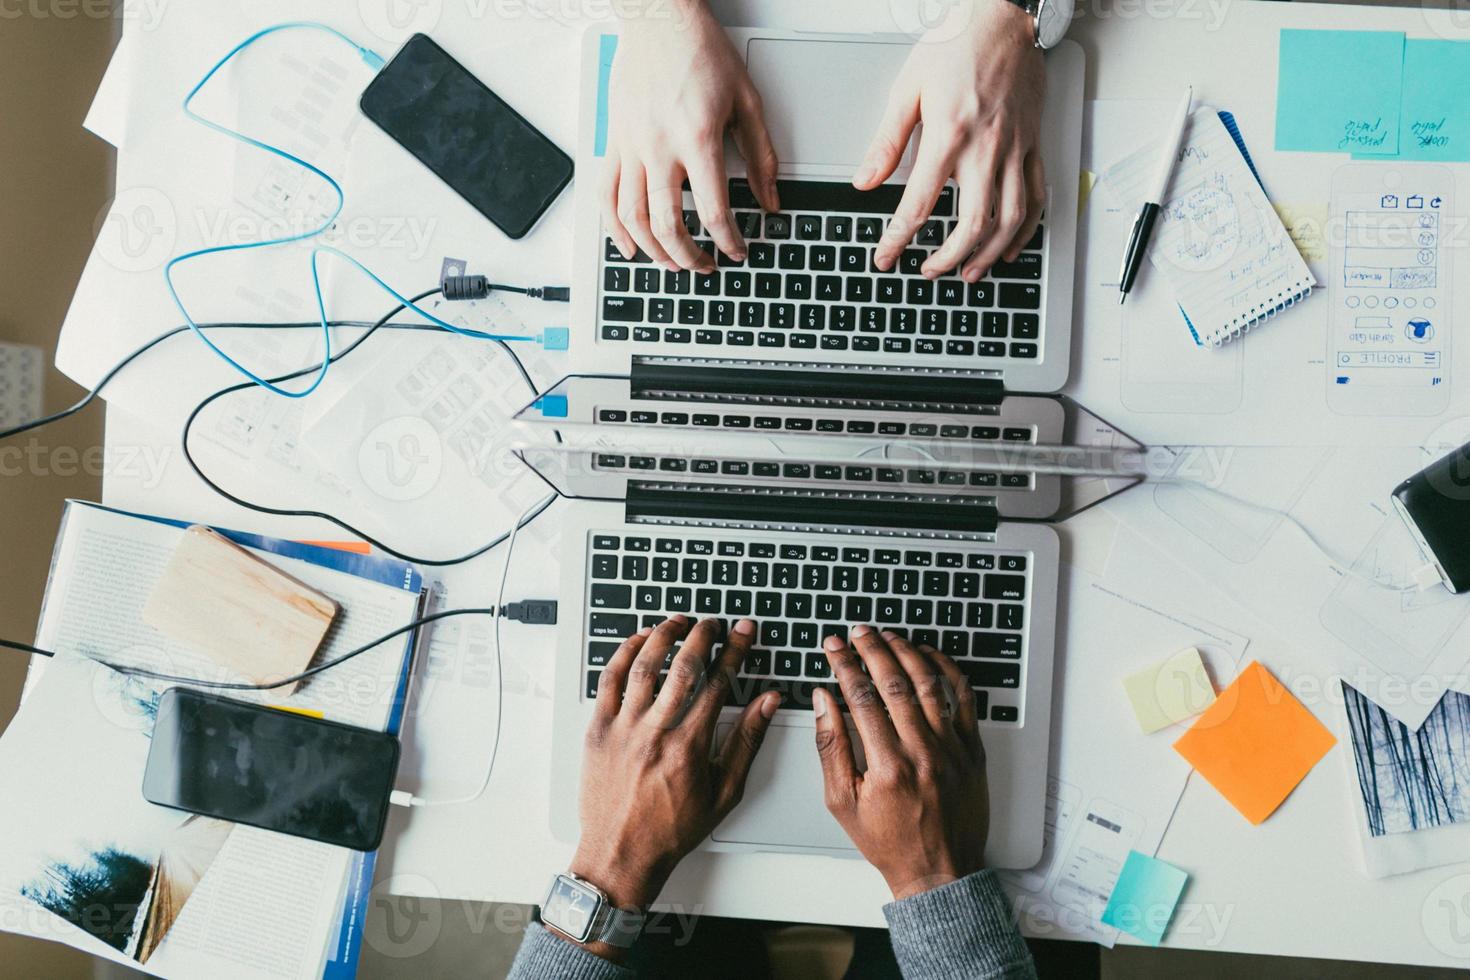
1435,114
1143,900
1338,91
607,46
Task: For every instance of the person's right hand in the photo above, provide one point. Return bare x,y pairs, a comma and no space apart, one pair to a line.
921,812
676,87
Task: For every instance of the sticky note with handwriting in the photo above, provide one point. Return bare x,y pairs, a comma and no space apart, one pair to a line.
1255,743
1338,91
1435,115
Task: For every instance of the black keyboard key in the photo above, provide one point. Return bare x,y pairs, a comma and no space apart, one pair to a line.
869,230
649,597
757,663
1004,712
679,600
888,610
955,643
859,609
612,596
788,663
612,332
853,259
593,677
983,674
615,279
1020,295
809,227
791,257
1004,646
822,258
778,226
1010,616
635,568
817,666
1005,587
695,571
1026,266
762,550
1028,351
761,255
666,569
604,566
979,615
805,636
598,654
773,634
875,580
618,625
767,604
707,602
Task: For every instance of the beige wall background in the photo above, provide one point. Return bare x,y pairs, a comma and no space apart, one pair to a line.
55,180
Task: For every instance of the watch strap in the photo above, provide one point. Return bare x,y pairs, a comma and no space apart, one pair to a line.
620,927
1032,8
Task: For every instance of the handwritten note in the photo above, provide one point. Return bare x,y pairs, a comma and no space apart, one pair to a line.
1436,102
1338,91
1218,242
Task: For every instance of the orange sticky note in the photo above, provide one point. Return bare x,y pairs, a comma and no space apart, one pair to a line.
1255,743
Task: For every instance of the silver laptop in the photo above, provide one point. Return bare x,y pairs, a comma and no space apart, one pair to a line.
734,463
807,290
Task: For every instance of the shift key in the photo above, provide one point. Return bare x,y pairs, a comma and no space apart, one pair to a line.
626,309
612,596
1005,586
991,674
620,625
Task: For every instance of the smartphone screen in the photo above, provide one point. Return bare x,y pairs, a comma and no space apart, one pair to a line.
467,135
271,769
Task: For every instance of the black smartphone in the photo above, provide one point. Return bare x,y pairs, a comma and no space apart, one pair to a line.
270,768
1435,504
467,135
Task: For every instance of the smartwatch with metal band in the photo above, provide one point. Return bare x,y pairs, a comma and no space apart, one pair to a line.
583,913
1052,18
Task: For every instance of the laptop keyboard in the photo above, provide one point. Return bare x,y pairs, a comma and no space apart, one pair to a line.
909,477
808,283
971,604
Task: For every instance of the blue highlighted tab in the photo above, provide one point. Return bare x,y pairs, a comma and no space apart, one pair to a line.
552,406
1338,91
606,49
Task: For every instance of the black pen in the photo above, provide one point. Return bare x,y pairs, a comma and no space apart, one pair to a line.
1143,225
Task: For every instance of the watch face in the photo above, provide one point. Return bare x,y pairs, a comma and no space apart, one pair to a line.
571,908
1052,20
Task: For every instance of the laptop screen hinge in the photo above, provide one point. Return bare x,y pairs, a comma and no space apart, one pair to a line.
806,510
774,382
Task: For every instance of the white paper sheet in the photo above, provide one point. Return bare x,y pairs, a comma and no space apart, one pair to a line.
1112,789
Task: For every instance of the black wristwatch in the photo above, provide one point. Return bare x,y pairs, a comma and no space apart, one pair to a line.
583,913
1052,18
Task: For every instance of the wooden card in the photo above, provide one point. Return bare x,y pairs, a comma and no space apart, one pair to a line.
218,599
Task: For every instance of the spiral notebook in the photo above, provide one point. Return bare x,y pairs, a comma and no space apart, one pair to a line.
1221,245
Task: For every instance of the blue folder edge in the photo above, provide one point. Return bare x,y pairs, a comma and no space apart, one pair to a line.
342,957
1233,129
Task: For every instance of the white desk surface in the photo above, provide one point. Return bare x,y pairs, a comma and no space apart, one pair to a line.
1290,886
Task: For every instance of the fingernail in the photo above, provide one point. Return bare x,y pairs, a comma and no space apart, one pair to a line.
832,643
927,648
889,635
862,629
627,252
770,704
646,631
863,175
745,627
819,703
678,618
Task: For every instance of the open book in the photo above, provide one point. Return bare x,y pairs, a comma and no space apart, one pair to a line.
91,863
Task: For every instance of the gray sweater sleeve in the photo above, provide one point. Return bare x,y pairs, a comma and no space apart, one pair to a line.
960,931
545,957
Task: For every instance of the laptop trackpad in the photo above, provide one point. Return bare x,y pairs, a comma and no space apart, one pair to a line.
824,99
783,803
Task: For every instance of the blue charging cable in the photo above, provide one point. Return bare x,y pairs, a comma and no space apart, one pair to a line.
554,338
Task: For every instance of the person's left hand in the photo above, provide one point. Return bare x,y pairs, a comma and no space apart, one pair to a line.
977,85
651,791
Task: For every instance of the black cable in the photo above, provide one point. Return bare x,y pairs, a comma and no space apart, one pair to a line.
272,685
322,515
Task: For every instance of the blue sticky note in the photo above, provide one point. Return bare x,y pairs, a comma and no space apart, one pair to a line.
1143,900
1435,116
607,46
1338,91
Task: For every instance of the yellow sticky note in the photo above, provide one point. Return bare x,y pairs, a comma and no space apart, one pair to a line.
1255,743
1085,181
1307,226
1169,692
